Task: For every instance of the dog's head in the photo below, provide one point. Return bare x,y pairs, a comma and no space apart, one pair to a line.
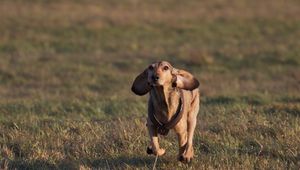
163,74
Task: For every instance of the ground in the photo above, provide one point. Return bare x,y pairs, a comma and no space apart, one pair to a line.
66,69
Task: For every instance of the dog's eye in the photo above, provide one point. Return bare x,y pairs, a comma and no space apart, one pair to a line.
166,67
150,67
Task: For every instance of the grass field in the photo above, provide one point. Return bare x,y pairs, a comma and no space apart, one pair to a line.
66,69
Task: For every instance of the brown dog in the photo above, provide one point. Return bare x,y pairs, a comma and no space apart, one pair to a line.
173,104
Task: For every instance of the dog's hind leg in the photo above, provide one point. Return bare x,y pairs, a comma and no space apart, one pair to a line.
188,154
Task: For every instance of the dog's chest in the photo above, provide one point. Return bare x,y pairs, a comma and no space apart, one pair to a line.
166,106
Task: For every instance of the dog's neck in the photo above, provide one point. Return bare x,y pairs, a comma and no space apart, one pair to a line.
165,102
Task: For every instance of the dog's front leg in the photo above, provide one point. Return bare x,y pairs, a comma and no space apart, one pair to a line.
154,145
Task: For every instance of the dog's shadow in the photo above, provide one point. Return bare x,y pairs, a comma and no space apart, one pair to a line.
126,161
119,162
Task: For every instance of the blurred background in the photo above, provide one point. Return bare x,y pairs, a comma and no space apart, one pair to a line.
75,60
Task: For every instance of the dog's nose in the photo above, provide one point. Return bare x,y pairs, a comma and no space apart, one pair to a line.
155,78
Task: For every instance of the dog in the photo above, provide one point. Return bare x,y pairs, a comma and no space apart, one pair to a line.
173,104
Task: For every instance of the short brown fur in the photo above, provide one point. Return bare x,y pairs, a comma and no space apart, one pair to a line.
167,85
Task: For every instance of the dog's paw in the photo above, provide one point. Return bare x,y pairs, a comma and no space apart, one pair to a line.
187,156
185,159
159,152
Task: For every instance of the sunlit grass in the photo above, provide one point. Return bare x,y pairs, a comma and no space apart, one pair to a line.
66,70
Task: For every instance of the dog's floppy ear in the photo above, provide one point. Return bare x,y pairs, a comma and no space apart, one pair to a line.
184,80
140,85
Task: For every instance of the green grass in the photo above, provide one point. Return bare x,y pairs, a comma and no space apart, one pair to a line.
66,70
